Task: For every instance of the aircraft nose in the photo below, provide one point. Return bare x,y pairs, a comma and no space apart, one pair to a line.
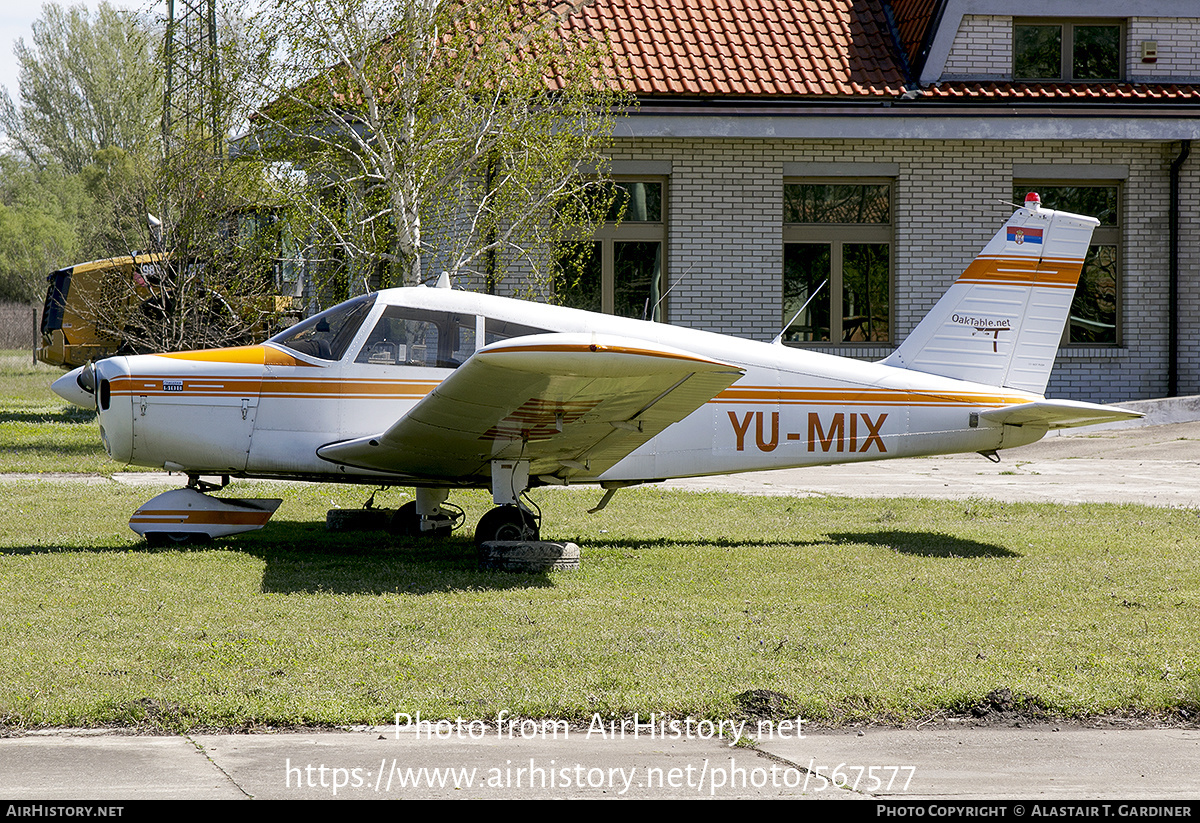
77,386
115,408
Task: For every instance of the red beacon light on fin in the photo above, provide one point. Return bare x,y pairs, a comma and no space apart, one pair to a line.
1032,201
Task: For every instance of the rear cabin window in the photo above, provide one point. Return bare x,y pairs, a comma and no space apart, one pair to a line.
496,330
406,336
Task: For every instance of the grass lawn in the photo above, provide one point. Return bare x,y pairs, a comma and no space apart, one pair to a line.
852,609
848,609
38,431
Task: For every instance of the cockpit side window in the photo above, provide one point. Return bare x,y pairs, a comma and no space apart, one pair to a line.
327,335
406,336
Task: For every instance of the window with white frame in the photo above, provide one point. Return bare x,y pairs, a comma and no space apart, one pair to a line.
837,253
1068,50
620,270
1095,318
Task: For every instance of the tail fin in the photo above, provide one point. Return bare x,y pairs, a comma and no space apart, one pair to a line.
1002,320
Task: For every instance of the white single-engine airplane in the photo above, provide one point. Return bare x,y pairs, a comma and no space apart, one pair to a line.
441,389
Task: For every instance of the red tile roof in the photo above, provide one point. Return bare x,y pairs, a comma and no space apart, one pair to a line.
1075,92
913,19
747,48
817,49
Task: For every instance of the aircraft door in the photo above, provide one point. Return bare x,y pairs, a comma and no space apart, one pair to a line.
303,382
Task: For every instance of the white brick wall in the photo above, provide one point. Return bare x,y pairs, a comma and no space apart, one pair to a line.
1178,40
725,231
982,49
1189,271
726,197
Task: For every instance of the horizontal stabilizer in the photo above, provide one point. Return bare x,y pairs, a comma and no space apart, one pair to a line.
1058,414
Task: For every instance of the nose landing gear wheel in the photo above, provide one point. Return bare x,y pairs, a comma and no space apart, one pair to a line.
161,539
506,523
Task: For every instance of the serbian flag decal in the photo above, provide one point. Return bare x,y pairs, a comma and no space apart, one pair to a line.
1022,236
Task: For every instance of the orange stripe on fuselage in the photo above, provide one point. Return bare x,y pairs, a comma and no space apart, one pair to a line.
152,385
790,396
385,389
267,387
219,386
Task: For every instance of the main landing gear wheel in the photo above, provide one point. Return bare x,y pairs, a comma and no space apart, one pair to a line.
407,523
405,520
506,523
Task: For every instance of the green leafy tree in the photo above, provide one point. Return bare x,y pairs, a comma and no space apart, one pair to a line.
87,83
461,136
44,220
90,117
89,91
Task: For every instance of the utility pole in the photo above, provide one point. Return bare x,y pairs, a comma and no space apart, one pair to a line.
192,96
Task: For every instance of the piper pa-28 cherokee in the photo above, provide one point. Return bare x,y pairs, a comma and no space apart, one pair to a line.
440,389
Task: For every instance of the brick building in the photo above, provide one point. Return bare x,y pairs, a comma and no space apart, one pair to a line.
851,157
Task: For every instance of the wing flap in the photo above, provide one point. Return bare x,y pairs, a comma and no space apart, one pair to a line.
1058,414
572,404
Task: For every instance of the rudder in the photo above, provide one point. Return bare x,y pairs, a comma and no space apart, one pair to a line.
1001,322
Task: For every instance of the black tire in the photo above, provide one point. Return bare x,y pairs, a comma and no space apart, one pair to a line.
529,557
160,539
405,521
356,520
506,523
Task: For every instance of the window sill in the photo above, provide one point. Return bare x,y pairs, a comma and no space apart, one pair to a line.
1092,352
866,351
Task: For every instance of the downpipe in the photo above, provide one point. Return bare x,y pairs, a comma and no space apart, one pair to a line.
1185,149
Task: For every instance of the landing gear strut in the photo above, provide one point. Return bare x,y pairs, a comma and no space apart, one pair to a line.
510,520
427,516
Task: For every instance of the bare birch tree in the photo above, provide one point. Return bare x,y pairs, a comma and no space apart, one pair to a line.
439,135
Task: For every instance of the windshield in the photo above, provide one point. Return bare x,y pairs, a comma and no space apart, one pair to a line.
327,335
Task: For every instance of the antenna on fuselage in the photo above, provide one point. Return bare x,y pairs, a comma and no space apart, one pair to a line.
779,337
649,310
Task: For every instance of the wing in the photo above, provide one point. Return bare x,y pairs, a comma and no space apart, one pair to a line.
1058,414
572,404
